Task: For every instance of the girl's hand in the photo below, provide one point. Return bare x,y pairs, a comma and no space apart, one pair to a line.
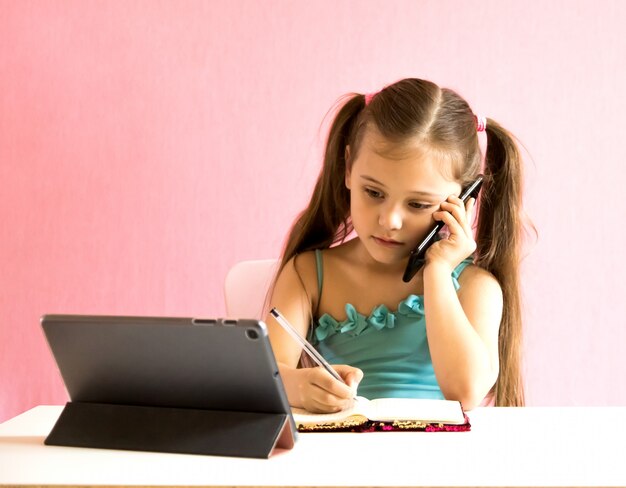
315,390
460,242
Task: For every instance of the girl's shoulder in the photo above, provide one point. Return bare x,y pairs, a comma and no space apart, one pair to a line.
305,263
301,272
475,281
308,269
472,272
309,265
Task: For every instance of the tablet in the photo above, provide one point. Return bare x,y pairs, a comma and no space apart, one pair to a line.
177,363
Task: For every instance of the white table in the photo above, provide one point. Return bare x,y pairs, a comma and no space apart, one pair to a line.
507,447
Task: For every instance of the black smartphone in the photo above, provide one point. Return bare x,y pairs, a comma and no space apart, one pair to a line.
417,257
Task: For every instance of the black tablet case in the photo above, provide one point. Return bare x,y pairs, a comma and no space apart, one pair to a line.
170,385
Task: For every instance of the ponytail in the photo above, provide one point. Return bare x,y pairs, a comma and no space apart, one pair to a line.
326,220
498,239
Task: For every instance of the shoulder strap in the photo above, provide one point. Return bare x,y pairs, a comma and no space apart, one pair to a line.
319,264
320,272
459,269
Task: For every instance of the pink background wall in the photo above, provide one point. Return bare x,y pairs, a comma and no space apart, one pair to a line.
146,146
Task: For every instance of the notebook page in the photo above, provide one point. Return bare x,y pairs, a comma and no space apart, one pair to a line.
388,409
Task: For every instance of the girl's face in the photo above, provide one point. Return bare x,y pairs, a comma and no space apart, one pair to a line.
392,200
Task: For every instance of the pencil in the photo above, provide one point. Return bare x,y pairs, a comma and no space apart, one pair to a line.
310,350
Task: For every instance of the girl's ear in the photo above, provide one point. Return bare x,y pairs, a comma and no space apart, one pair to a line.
348,166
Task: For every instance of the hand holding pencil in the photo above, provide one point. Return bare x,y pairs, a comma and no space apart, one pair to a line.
347,371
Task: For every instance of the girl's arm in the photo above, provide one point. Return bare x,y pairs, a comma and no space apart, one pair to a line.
462,328
462,331
311,388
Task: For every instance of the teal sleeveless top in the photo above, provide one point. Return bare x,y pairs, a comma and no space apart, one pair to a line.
389,346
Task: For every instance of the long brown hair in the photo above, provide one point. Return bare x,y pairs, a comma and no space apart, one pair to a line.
414,113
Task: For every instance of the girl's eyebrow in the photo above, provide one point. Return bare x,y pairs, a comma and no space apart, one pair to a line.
418,192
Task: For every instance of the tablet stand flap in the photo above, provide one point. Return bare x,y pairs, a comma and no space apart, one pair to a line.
166,429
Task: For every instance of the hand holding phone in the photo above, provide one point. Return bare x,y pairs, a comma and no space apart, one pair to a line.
417,257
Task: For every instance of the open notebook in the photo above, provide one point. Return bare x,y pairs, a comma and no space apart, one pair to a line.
385,414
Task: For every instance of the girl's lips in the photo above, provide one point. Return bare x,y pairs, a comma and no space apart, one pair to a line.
386,242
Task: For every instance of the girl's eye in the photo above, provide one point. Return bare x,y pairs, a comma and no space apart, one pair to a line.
420,206
373,193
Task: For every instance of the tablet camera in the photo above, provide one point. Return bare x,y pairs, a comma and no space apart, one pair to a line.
252,334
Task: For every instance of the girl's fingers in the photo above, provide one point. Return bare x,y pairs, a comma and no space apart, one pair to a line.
315,406
351,375
459,211
469,206
453,224
322,379
470,210
456,215
327,394
324,401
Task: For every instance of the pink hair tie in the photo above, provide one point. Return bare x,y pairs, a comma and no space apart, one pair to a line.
368,98
481,123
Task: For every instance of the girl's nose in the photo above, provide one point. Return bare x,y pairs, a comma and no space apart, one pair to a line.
390,218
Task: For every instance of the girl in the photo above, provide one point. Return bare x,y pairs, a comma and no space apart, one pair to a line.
395,162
